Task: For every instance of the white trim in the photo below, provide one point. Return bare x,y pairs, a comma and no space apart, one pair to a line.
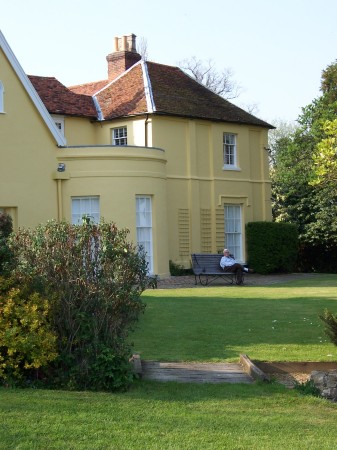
100,115
151,107
60,140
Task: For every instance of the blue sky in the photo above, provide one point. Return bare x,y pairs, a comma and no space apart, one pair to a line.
276,50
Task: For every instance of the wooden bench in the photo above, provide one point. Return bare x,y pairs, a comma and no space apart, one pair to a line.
206,269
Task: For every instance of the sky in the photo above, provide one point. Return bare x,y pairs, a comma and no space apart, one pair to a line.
276,50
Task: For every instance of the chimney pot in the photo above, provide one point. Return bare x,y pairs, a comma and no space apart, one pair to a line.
123,57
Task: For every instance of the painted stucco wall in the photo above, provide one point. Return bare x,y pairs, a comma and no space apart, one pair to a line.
117,175
27,155
199,186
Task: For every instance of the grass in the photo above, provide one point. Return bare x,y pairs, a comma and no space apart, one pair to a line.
271,323
218,323
167,416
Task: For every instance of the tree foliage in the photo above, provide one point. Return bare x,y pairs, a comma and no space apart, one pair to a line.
303,170
93,278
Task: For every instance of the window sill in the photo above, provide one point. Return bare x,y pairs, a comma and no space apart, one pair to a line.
235,168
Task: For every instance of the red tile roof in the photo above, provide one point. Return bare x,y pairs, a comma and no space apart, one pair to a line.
176,93
170,89
58,99
88,88
125,96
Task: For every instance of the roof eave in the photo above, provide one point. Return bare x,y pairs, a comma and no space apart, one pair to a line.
59,138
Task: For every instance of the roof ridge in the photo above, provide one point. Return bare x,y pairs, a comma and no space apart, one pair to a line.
85,84
148,88
115,79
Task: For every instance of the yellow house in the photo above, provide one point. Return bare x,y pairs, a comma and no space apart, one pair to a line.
148,148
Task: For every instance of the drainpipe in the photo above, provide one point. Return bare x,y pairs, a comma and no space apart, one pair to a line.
59,200
146,130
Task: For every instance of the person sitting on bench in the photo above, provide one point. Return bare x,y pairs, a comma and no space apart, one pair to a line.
229,264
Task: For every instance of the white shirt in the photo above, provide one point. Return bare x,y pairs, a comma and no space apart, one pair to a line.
227,261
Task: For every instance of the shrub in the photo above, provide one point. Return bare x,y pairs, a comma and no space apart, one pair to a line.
272,246
178,270
330,321
307,388
27,342
317,258
6,227
95,278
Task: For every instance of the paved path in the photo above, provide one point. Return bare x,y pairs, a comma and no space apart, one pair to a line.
250,280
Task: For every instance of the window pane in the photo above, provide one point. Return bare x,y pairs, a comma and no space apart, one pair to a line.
229,149
85,206
119,136
233,234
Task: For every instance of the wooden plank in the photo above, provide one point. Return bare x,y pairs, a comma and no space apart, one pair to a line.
194,372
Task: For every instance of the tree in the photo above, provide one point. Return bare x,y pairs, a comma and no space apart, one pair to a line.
221,83
303,176
325,157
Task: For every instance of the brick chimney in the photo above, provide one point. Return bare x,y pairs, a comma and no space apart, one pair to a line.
123,57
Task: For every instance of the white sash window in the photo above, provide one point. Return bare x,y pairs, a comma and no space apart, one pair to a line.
85,207
233,230
144,227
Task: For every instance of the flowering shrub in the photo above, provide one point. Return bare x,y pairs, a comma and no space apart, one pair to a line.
94,279
27,342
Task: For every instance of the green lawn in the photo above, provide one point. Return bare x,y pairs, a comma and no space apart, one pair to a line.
273,323
167,416
216,323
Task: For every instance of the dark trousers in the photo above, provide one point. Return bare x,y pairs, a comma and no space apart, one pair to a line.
237,269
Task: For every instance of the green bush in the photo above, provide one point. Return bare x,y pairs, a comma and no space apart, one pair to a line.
330,321
272,246
177,270
27,342
317,258
95,278
6,227
307,388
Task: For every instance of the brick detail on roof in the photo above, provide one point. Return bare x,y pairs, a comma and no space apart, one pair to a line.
58,99
119,62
